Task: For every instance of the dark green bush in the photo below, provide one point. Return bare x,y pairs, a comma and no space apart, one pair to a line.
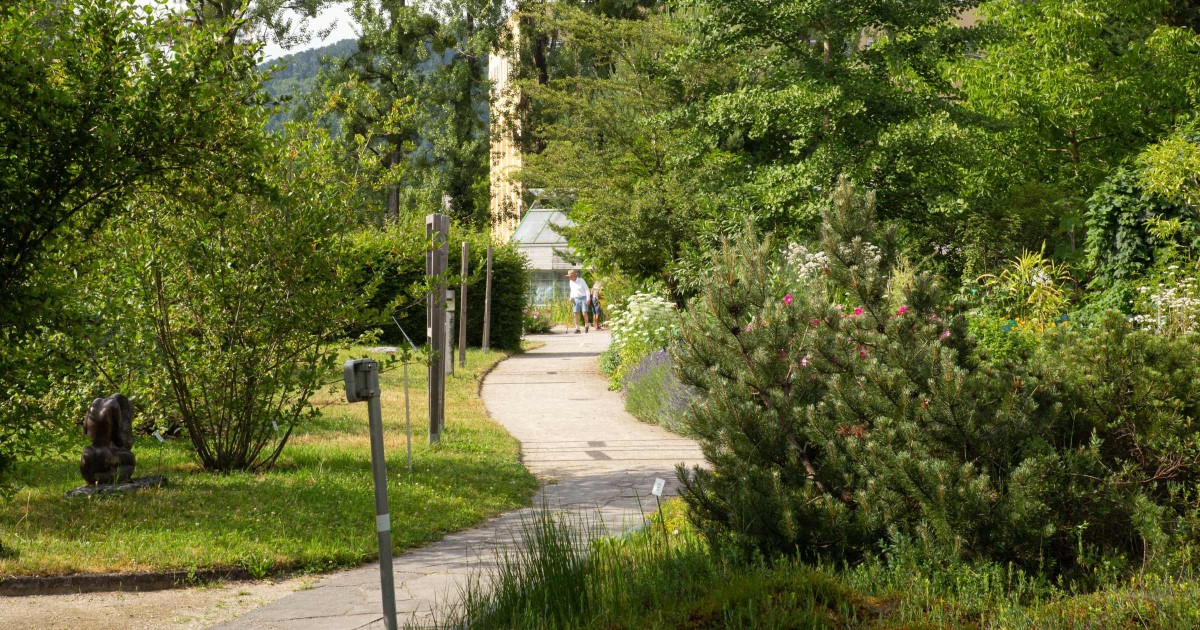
837,425
395,258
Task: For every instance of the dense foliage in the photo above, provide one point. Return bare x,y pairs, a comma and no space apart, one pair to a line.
664,129
101,100
247,294
394,258
845,412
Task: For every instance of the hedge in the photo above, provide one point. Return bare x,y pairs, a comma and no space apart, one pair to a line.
395,258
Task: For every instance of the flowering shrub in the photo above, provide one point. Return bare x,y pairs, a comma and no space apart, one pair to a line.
653,394
834,431
805,262
1169,301
646,324
537,320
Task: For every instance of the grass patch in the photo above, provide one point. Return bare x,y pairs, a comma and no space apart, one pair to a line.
654,578
313,512
660,578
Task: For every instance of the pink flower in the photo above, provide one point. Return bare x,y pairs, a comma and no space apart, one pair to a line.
747,328
902,310
814,323
858,311
787,299
945,334
862,352
804,362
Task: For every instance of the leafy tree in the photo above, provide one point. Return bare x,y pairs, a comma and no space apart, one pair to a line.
101,100
286,22
1073,88
415,93
248,293
292,77
1172,166
826,88
619,150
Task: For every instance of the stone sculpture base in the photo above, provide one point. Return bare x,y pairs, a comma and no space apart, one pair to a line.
138,483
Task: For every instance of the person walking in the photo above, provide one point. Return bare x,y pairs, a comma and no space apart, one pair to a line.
593,305
579,296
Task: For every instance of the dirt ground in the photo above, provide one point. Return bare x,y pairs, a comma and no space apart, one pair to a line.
185,608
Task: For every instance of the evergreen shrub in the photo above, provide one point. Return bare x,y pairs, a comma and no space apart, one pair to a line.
838,425
394,257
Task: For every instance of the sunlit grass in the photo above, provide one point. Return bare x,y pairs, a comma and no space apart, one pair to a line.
314,511
665,577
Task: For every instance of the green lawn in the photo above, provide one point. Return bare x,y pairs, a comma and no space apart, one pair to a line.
313,512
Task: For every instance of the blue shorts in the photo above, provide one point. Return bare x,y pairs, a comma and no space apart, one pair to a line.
578,304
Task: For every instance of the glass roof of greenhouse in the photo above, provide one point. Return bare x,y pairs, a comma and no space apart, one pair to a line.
537,228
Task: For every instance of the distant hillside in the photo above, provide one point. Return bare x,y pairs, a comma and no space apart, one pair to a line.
299,73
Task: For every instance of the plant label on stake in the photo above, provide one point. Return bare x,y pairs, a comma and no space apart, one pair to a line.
159,436
407,421
657,491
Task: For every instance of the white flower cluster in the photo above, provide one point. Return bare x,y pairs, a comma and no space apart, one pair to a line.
1175,308
807,263
871,252
940,249
648,320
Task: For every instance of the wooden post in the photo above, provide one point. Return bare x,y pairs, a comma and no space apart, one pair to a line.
437,229
462,308
487,303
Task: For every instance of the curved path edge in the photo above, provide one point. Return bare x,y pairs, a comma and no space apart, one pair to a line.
598,463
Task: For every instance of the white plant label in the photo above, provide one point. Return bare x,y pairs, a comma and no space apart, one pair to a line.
275,425
158,435
658,487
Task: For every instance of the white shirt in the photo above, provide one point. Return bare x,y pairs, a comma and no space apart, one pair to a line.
579,288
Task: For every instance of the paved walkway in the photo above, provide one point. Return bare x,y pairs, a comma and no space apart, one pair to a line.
600,464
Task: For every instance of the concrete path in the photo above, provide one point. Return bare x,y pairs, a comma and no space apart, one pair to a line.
598,461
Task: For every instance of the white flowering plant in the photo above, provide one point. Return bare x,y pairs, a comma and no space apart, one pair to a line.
1168,301
645,324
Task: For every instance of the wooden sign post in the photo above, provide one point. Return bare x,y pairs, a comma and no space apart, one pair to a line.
462,308
487,304
437,230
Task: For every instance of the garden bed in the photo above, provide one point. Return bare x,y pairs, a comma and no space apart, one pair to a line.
312,512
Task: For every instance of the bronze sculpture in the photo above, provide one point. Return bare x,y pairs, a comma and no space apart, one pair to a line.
109,422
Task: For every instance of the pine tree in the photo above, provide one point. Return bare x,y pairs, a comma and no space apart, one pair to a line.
846,409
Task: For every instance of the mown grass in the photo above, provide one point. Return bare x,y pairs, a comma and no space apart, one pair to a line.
314,511
660,578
